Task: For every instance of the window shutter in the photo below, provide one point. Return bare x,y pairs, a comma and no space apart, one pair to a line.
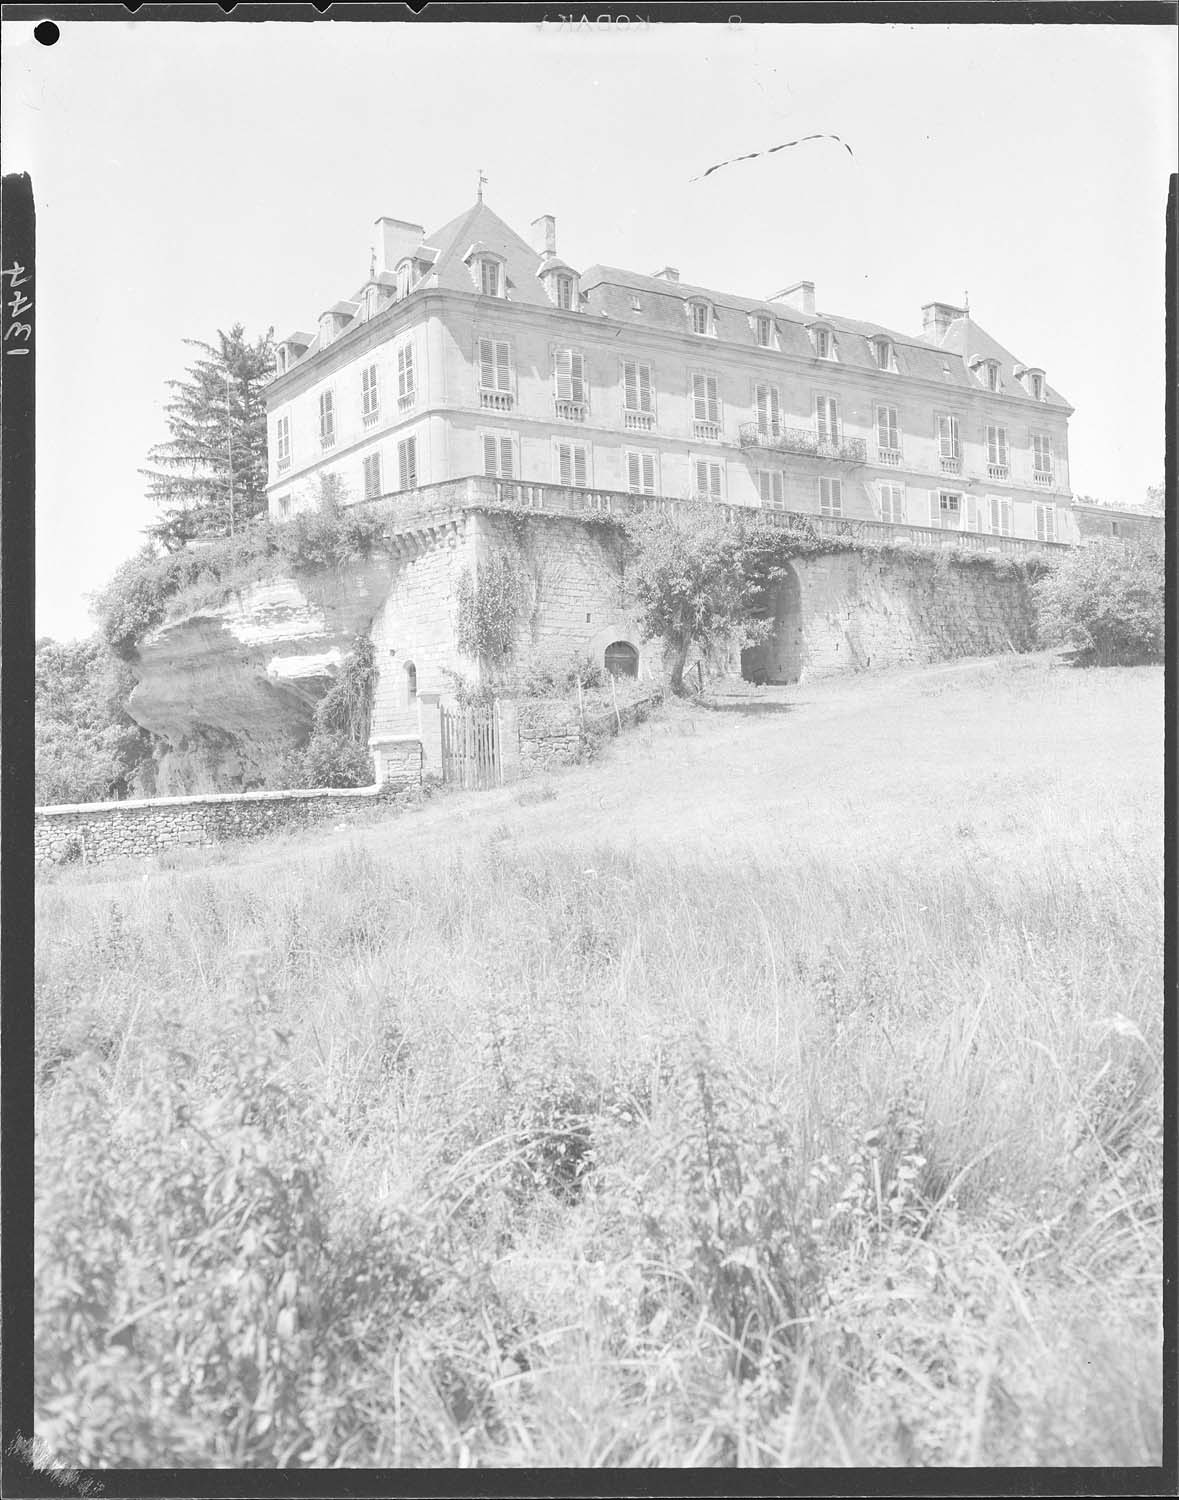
402,467
486,365
762,401
563,372
649,485
506,466
634,476
579,466
645,395
699,399
564,463
763,486
577,376
630,385
409,380
775,412
713,400
503,358
489,465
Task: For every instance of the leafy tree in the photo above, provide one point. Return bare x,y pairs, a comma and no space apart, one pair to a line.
1106,601
219,409
1155,502
692,583
87,745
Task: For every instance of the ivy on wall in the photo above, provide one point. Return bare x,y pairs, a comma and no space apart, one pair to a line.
489,606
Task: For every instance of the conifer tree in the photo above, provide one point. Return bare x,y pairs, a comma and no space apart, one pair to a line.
218,410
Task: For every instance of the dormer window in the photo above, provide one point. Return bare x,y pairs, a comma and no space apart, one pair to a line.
404,278
490,277
327,329
882,354
1037,386
563,286
701,316
281,359
763,330
824,341
991,374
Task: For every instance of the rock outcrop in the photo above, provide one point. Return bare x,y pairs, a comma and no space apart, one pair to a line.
228,691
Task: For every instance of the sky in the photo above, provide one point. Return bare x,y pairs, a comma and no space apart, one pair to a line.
192,175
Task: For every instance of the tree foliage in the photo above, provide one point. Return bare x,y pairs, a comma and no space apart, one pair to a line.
691,583
87,745
218,409
1106,601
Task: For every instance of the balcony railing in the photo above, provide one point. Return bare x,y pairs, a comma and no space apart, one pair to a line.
802,440
1042,477
405,402
496,400
569,411
997,471
327,439
951,465
433,504
283,463
706,432
890,458
370,418
638,421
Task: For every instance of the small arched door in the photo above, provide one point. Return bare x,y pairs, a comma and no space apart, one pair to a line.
622,659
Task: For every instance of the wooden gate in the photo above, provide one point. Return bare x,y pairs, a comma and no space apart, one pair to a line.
471,747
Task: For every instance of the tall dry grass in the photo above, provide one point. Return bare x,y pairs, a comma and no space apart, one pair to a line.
506,1138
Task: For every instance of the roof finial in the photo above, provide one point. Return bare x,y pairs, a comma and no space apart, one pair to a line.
482,180
966,299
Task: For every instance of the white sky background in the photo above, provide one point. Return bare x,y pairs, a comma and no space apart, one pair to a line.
189,176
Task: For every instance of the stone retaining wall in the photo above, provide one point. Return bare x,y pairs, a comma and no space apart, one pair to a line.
125,830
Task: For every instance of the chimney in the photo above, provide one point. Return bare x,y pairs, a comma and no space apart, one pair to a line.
800,296
669,273
393,240
936,318
544,235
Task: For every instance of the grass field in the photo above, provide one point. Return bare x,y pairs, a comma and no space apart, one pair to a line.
783,1088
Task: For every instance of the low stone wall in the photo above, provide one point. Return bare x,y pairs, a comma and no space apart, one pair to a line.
552,731
124,830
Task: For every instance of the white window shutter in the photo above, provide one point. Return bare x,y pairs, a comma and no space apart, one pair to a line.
564,464
579,466
486,364
503,359
634,477
563,379
489,465
646,383
507,468
699,399
761,400
713,399
649,485
577,376
630,385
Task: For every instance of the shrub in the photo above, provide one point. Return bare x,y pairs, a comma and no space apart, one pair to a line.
1106,601
327,760
549,679
489,608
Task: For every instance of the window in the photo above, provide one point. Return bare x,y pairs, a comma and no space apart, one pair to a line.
327,328
284,507
827,419
948,439
495,374
564,286
372,476
769,411
1046,523
708,476
489,277
892,502
370,399
407,464
701,318
888,432
824,342
771,486
642,473
831,496
1037,387
638,387
403,279
569,376
411,683
1001,515
281,359
991,375
972,508
997,452
1114,529
498,456
327,419
763,330
1042,455
947,510
573,465
405,375
282,437
882,350
705,404
636,304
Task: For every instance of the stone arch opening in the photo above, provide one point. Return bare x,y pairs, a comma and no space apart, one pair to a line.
778,658
621,659
411,684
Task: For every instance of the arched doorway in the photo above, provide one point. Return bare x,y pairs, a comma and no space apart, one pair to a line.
778,658
622,659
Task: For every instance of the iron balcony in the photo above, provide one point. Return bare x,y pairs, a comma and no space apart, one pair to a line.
803,440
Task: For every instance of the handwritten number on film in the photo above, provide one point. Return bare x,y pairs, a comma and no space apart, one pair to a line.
18,303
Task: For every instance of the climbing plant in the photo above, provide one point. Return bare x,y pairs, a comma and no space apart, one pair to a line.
489,605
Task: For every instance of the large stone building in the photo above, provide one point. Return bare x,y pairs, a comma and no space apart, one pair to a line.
473,352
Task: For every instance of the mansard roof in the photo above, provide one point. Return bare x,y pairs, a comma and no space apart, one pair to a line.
965,337
483,230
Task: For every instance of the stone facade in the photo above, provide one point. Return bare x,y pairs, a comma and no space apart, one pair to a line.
445,374
1108,523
